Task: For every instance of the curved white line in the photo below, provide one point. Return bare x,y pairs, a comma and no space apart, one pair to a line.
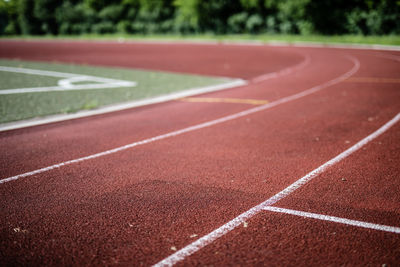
306,61
68,83
389,56
312,90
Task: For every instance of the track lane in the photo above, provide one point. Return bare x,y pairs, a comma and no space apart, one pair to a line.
364,187
225,166
279,239
113,199
273,237
237,61
51,144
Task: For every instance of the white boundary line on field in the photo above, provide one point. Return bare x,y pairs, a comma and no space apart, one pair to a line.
66,84
122,106
269,105
231,225
379,227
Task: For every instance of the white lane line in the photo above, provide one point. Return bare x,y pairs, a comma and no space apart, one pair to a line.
283,72
389,56
198,126
65,84
361,224
229,226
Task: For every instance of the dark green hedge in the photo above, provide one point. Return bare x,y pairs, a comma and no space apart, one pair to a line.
36,17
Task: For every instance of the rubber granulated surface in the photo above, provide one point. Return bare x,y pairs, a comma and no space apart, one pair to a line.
140,205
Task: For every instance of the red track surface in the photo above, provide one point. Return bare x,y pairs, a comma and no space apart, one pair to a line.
136,206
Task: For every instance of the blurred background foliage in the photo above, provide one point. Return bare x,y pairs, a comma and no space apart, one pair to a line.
63,17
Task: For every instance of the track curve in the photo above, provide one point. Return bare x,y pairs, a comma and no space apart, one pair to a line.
139,205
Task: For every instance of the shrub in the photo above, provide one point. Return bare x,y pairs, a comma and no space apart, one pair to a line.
286,27
305,27
254,23
26,21
356,22
124,26
4,20
271,24
75,19
237,23
104,27
167,26
112,13
188,16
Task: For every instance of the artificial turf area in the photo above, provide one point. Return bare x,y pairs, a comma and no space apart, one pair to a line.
19,106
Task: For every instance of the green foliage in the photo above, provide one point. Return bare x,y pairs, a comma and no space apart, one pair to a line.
271,26
44,12
366,17
111,13
28,23
4,18
75,18
123,26
103,27
213,15
10,11
237,22
187,17
305,27
254,24
330,17
98,5
249,4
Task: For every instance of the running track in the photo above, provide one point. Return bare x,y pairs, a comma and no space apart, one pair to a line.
165,196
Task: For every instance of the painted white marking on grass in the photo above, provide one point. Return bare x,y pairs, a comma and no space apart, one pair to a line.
38,72
198,126
118,107
61,88
229,226
322,217
65,84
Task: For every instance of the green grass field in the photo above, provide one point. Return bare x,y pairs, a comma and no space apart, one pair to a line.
19,106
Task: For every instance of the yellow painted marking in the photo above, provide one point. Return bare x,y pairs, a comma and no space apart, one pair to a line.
372,80
224,100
